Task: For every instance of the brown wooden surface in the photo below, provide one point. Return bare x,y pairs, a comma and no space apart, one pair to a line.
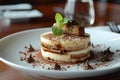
110,12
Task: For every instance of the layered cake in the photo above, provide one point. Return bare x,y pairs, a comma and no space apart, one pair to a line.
72,46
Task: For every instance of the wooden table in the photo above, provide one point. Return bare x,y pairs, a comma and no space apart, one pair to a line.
104,13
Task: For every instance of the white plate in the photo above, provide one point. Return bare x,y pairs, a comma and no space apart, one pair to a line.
12,44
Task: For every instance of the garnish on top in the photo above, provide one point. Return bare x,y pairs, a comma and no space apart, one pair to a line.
60,22
64,25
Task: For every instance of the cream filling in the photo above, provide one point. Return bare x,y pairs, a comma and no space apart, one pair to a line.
65,57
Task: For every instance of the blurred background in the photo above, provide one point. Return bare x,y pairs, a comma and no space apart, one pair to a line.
105,10
2,2
100,8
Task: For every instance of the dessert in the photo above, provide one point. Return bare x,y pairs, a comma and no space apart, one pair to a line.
67,43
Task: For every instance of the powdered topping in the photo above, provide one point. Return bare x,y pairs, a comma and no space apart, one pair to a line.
65,37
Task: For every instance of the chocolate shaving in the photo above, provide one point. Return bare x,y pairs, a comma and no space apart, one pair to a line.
106,55
30,59
95,46
87,66
31,49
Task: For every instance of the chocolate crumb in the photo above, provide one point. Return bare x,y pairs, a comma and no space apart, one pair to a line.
25,47
57,66
30,59
92,44
78,64
21,59
48,68
68,66
43,67
95,46
20,52
118,50
92,55
87,66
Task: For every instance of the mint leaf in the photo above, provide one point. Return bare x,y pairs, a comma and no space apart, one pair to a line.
60,22
58,18
56,31
59,25
65,20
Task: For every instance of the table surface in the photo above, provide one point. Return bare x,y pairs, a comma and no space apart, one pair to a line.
108,12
